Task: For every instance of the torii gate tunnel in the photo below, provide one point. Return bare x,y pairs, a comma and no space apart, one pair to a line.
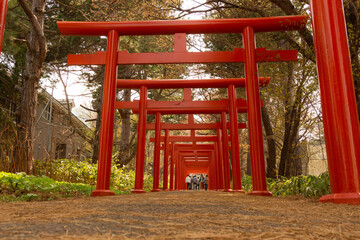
249,55
341,124
335,77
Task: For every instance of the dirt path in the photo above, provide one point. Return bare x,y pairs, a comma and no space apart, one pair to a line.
179,215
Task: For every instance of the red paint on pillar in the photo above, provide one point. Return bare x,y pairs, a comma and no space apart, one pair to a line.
234,133
140,148
176,158
225,143
254,116
172,165
107,118
215,168
341,123
183,177
166,161
220,160
3,10
156,169
212,177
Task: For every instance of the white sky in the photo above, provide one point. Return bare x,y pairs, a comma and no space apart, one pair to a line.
77,90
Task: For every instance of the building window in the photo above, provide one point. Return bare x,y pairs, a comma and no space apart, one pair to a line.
60,151
46,113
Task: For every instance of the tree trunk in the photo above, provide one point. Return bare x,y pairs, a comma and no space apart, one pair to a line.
35,57
293,110
127,153
288,103
271,159
97,105
248,163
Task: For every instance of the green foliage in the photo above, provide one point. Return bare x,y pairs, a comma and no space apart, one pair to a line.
22,187
86,172
306,186
63,178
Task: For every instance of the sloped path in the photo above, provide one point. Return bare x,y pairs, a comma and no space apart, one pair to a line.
179,215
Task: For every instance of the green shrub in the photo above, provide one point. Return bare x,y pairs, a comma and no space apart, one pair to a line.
86,172
22,187
306,186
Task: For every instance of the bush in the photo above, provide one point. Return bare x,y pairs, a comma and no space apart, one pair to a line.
22,187
86,172
306,186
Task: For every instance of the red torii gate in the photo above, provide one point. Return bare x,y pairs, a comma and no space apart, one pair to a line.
180,28
187,106
223,160
341,125
178,107
198,150
196,139
182,107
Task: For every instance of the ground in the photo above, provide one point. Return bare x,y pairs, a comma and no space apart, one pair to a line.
179,215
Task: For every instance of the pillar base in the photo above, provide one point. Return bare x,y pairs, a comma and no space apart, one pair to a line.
237,191
342,198
261,193
171,190
138,191
102,193
155,190
227,190
166,190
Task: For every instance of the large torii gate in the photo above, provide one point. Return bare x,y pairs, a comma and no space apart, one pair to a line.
341,125
249,55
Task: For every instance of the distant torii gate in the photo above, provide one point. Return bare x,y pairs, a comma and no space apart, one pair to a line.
187,106
183,151
341,125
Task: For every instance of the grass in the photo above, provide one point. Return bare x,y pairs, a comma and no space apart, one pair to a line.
306,186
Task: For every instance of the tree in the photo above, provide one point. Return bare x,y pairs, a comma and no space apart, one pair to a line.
31,31
35,57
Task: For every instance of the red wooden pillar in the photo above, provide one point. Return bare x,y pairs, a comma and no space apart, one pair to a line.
254,116
220,160
234,133
212,177
166,161
183,175
3,10
107,118
176,158
216,167
140,148
341,123
225,143
156,169
172,163
180,170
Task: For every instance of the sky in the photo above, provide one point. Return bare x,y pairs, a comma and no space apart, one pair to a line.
77,90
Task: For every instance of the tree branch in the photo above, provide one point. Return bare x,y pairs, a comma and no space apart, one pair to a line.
37,28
